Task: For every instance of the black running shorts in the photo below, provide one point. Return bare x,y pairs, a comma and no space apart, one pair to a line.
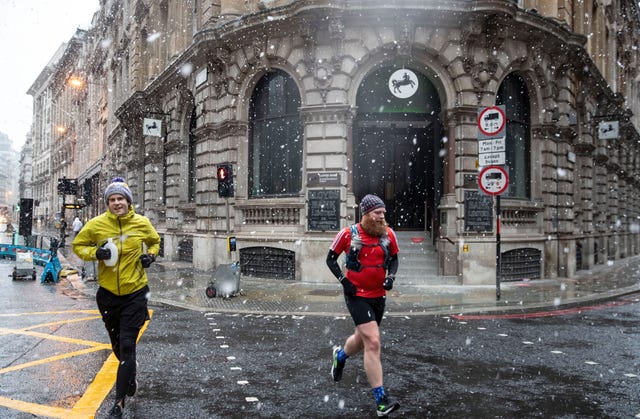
364,310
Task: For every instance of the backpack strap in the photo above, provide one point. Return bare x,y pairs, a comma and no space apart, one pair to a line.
354,231
353,261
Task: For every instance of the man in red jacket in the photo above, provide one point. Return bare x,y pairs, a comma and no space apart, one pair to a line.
372,262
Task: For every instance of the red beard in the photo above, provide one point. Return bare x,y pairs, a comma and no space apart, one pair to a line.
372,227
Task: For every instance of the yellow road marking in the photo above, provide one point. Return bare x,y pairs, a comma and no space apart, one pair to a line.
96,392
101,385
82,319
39,313
34,408
48,336
101,347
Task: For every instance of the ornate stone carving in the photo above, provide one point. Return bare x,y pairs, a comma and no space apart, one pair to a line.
482,35
405,38
481,72
308,34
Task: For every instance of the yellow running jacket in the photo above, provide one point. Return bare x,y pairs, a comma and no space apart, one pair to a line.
130,233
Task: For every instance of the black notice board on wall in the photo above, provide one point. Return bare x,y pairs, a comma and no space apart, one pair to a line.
478,211
324,210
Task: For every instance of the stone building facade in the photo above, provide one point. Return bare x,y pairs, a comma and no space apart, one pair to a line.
315,103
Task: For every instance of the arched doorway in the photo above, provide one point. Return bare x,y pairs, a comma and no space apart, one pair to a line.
396,144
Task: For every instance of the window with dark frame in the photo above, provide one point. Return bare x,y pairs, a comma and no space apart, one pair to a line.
191,190
514,95
275,137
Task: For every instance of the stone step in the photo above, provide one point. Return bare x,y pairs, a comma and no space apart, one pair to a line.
419,261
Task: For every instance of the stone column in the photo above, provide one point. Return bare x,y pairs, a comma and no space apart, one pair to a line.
327,151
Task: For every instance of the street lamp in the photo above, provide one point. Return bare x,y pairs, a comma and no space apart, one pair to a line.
77,82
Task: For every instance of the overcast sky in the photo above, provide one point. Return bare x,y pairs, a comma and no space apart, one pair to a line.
30,33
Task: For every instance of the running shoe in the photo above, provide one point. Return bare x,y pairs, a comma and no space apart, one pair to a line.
336,366
386,406
115,412
133,386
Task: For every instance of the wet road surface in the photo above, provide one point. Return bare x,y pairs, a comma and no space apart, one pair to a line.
572,363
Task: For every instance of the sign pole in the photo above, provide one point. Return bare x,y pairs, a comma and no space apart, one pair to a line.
63,223
498,254
226,205
493,178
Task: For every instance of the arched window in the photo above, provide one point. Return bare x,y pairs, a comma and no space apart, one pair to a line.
275,137
514,95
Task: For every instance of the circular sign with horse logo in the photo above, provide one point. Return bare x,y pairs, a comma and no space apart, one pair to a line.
403,83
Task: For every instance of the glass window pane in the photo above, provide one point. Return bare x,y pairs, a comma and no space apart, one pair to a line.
275,137
513,94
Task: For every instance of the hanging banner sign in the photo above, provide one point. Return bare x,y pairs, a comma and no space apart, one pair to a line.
152,127
403,83
608,130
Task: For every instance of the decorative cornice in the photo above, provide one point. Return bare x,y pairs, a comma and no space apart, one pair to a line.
325,113
231,128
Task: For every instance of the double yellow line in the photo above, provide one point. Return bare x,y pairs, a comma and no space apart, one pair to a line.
96,392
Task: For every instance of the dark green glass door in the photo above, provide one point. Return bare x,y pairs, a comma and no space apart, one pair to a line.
392,163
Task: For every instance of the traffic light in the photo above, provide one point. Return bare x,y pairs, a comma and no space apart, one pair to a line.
88,191
225,180
67,186
26,216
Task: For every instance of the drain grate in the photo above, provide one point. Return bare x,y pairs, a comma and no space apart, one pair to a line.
521,264
268,262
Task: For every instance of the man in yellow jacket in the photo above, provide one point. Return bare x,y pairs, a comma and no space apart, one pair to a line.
124,243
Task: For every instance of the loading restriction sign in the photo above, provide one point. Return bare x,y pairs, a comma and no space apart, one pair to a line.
493,180
491,122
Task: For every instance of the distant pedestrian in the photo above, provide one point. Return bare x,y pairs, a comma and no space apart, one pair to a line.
63,232
76,226
117,239
371,264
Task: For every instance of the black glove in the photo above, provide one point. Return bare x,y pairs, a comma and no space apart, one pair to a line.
348,287
388,282
102,253
147,260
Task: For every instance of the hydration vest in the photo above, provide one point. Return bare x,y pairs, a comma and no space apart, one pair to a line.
353,263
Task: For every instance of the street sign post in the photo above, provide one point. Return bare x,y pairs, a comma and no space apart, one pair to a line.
493,179
492,122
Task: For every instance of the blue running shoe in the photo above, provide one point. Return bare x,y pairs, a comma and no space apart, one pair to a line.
337,366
